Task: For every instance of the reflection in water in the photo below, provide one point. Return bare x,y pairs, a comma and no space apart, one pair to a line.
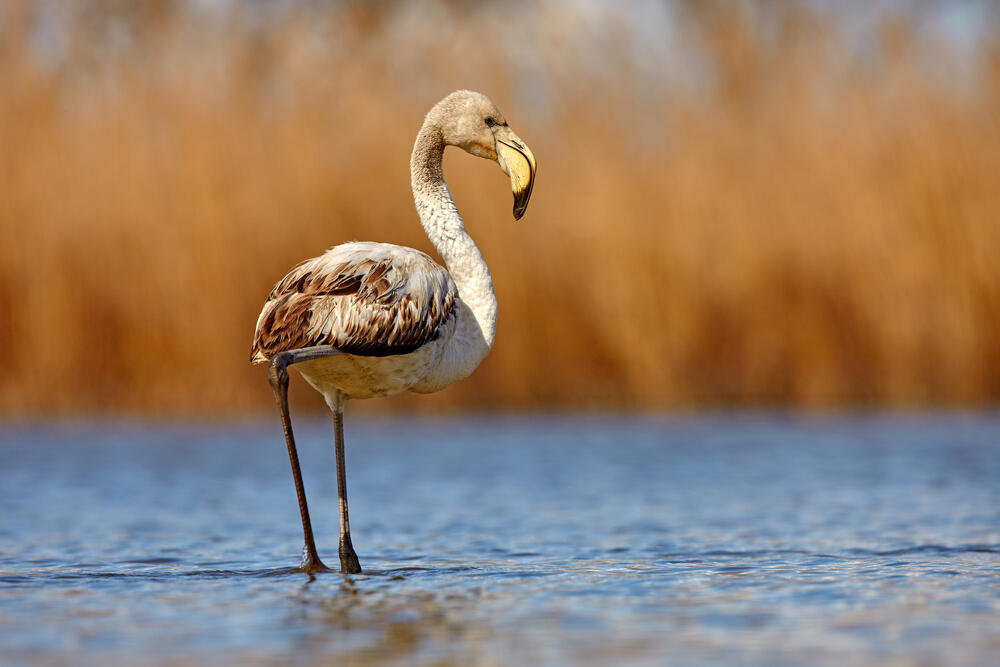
582,541
383,625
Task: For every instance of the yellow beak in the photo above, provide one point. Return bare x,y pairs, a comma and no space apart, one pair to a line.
516,160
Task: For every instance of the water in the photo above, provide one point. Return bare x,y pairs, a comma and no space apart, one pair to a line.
508,540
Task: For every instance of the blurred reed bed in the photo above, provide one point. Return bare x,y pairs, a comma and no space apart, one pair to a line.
772,209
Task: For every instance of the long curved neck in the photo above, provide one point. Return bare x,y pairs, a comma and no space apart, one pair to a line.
445,229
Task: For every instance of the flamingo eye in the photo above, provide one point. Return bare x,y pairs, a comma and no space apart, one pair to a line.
491,121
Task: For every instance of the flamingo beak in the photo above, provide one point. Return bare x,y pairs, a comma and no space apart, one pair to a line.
517,161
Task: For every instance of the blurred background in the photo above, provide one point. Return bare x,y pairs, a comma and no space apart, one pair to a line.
781,204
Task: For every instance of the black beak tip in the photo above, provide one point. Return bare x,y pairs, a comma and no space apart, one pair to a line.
521,203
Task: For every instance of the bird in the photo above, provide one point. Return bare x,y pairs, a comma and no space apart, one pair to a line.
367,319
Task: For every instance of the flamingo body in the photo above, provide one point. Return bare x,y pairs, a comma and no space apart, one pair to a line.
390,309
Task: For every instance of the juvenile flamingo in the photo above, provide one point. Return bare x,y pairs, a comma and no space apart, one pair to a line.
371,319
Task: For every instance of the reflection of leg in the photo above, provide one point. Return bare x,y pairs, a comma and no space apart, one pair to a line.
348,559
278,377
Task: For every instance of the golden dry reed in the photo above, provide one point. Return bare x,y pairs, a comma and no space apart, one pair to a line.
734,207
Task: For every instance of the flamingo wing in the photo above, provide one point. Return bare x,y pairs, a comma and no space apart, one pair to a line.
370,299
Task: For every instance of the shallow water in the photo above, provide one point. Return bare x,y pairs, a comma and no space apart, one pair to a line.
508,540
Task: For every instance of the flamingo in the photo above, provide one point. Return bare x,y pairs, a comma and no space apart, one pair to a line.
369,319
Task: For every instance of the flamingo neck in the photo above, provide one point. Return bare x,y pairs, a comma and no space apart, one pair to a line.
477,316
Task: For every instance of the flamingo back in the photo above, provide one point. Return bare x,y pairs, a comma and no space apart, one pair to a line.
363,298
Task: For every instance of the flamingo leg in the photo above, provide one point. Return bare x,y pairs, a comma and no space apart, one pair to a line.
278,378
348,559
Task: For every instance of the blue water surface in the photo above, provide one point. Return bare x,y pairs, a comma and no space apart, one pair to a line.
571,539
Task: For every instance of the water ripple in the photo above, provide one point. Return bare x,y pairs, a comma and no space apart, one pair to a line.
579,541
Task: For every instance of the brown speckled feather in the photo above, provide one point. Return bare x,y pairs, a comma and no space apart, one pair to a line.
372,299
